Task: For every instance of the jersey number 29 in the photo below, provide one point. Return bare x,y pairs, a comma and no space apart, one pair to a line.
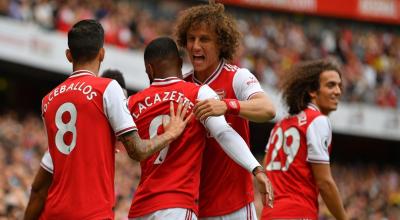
280,139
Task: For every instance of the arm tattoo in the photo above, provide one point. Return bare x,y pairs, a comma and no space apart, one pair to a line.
139,149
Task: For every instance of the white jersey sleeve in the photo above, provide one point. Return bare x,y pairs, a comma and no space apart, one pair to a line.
205,92
229,140
47,162
245,84
319,137
116,109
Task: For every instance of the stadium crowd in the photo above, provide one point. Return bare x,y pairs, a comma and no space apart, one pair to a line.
272,43
368,191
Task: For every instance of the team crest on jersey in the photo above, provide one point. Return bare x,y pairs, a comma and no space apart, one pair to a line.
221,93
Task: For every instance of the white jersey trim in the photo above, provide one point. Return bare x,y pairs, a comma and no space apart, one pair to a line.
319,137
165,81
79,73
116,109
47,162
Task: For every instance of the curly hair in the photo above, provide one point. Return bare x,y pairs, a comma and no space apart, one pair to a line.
303,79
228,36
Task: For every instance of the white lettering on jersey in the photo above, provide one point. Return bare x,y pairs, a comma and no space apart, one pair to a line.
86,90
174,96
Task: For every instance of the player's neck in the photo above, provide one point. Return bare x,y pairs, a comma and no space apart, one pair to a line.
91,66
203,75
169,72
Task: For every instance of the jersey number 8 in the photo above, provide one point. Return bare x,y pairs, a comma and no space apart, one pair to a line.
63,127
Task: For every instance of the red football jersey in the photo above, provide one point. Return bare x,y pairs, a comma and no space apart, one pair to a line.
294,143
82,116
226,186
171,177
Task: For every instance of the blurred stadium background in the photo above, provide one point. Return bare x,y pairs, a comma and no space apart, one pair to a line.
364,35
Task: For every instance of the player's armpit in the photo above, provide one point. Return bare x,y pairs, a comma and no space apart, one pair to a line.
39,191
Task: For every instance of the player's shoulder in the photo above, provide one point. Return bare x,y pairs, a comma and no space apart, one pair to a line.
228,67
314,116
101,81
191,85
137,96
313,112
96,83
235,69
304,118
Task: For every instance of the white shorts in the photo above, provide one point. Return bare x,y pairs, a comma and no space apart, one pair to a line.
169,214
248,212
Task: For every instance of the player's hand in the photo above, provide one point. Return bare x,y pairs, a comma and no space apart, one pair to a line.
177,120
209,107
264,186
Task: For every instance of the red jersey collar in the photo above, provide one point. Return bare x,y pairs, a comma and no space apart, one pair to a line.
82,73
165,81
313,106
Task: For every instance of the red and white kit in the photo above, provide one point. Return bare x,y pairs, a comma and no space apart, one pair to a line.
294,143
226,186
82,117
171,178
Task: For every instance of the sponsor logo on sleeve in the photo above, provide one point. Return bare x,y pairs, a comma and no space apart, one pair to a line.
251,80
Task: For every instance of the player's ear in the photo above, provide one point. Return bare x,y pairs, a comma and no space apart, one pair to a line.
68,55
312,94
102,53
150,71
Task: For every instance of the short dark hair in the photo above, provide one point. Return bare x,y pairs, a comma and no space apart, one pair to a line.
115,74
85,39
302,79
161,48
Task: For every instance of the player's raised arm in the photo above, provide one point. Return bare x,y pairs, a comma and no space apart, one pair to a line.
139,149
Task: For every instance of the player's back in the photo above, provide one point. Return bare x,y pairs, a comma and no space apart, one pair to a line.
170,178
288,168
81,147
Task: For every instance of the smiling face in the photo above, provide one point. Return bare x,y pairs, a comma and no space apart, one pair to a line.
203,50
327,97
